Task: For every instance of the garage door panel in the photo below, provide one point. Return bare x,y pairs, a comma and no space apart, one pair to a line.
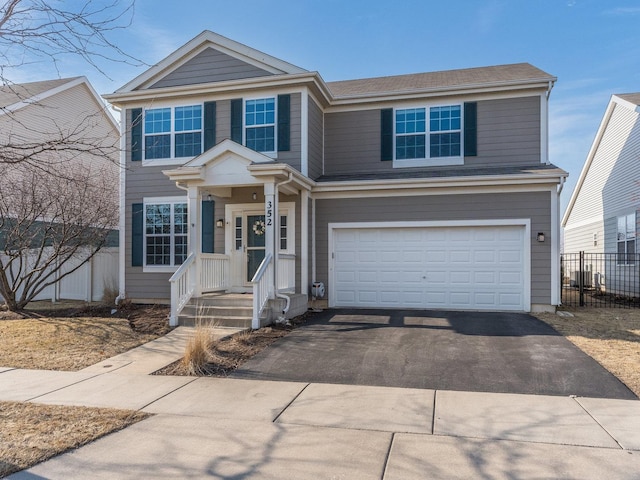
430,267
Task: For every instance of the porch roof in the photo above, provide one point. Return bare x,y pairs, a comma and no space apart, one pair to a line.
229,164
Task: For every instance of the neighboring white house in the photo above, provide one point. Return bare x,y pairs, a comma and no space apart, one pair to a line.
602,216
45,112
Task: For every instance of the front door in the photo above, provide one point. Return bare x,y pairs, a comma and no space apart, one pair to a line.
255,230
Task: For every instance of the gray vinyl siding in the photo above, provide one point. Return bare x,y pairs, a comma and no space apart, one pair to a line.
144,182
610,186
578,239
534,205
316,132
352,143
508,134
210,66
293,156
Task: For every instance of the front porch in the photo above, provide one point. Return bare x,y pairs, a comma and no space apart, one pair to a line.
265,232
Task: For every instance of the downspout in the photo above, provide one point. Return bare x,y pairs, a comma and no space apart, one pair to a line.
277,246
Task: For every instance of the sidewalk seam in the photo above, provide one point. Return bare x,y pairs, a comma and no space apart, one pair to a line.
168,393
433,413
289,404
576,399
62,388
387,456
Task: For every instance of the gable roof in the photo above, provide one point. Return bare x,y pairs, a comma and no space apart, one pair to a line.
20,95
499,75
627,100
209,39
18,92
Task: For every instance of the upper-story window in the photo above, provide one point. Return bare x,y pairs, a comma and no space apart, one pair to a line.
428,136
260,124
442,133
172,132
627,239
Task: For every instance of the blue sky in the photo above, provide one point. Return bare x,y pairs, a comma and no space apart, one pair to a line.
592,46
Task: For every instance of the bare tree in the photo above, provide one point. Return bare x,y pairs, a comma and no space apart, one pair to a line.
59,194
47,222
51,30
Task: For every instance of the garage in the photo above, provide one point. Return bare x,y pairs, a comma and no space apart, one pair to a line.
478,267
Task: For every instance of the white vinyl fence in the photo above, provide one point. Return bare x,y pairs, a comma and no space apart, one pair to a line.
89,282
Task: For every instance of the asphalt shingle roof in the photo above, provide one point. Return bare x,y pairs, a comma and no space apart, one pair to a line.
630,97
495,75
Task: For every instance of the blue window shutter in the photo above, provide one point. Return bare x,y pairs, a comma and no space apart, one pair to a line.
208,225
386,138
470,129
236,120
209,125
136,134
284,123
137,234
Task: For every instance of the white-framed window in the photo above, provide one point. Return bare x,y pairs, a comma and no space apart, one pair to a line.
260,124
172,132
165,232
428,135
627,239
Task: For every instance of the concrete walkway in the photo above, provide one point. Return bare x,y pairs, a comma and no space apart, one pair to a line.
235,428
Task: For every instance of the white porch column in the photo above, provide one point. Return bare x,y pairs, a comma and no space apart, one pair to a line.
195,237
304,242
269,233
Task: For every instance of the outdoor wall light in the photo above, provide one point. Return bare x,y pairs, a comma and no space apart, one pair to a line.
254,195
540,237
220,223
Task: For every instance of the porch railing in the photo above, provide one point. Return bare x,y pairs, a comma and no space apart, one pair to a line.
286,272
261,289
214,272
183,284
214,275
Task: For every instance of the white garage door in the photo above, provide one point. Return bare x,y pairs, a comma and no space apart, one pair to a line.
479,268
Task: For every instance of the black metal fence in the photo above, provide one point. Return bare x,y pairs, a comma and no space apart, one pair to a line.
600,280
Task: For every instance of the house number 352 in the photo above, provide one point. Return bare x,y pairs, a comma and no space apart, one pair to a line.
269,212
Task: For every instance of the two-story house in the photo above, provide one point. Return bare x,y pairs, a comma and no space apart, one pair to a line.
244,173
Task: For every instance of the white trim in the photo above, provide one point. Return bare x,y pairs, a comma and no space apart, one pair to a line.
304,242
544,129
555,247
429,161
304,133
122,227
523,222
404,190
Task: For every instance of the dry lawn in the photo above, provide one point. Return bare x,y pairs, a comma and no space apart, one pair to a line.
610,336
31,433
66,336
60,340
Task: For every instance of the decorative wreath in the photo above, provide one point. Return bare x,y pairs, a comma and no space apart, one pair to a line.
258,228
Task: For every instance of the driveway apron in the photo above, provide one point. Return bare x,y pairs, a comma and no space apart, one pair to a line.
440,350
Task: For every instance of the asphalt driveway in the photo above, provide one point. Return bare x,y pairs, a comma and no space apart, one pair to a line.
467,351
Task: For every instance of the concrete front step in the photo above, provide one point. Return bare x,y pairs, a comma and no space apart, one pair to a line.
219,309
220,322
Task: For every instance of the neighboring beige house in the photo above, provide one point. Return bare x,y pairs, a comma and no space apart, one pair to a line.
243,173
602,215
41,113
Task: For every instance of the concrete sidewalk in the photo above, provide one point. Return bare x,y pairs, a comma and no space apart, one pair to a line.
233,428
